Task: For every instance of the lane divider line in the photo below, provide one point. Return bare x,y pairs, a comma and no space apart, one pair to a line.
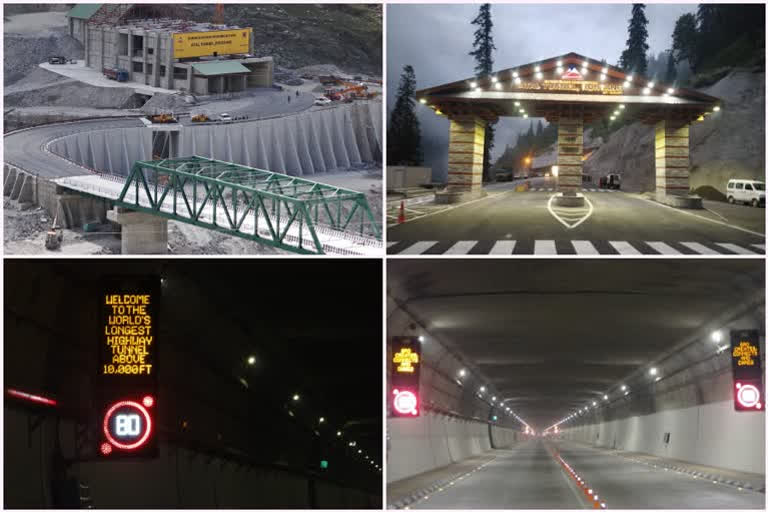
439,486
590,494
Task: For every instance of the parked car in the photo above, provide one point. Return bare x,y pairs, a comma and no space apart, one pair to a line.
57,59
746,191
321,101
505,175
225,117
610,181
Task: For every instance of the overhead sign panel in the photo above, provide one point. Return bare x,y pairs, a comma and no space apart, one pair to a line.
128,366
219,42
746,363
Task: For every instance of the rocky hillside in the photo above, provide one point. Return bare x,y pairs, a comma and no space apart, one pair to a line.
730,144
347,35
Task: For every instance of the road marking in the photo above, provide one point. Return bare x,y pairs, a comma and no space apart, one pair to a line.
663,248
503,247
699,248
624,248
713,211
563,221
443,210
544,247
736,249
584,247
462,247
678,210
418,247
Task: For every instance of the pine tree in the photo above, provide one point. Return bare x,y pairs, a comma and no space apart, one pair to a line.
634,59
685,41
483,53
671,73
404,136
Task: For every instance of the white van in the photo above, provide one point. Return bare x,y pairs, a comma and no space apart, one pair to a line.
746,191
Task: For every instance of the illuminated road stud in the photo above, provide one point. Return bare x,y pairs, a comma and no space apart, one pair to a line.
106,448
405,402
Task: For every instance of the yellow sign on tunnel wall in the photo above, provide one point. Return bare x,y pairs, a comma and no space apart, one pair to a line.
221,42
745,353
406,360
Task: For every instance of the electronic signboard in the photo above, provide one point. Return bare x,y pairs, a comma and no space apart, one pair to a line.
405,365
748,389
128,367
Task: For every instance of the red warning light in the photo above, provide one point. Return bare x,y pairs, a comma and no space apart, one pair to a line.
405,402
748,396
148,401
127,425
106,448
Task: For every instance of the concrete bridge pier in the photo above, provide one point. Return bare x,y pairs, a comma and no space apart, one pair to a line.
142,233
673,165
465,160
570,147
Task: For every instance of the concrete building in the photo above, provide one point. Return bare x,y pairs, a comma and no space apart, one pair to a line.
157,47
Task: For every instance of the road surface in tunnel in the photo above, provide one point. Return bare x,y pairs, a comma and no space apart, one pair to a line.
525,476
528,477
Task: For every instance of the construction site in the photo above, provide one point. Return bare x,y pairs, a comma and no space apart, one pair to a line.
135,110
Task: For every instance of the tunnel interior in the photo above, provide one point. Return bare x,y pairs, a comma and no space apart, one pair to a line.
615,355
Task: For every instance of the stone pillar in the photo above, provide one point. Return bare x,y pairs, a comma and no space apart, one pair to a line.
570,148
130,55
465,154
142,233
672,164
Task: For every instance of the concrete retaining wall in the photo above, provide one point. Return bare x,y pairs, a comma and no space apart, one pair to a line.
434,440
712,434
299,145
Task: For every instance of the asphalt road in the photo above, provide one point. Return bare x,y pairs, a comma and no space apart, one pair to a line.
625,484
509,222
528,477
524,477
24,148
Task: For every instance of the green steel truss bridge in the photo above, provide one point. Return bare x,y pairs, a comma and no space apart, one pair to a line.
273,209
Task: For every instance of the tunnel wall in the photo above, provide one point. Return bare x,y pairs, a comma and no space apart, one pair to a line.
434,440
712,434
312,142
178,478
692,401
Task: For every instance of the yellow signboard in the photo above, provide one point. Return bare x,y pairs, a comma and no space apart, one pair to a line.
745,353
220,42
406,359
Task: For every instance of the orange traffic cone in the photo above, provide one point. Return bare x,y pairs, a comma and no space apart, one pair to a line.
401,215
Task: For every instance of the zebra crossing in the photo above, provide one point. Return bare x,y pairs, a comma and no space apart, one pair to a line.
573,247
552,189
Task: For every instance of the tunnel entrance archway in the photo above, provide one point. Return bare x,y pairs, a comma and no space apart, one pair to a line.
569,90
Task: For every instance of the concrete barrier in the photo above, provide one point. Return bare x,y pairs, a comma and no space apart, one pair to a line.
712,434
434,440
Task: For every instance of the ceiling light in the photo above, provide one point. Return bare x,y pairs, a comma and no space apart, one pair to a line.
321,420
629,78
717,336
494,79
605,397
623,387
498,85
670,91
421,339
517,80
251,359
653,371
646,90
716,108
539,75
602,78
621,106
478,89
514,74
422,100
296,398
473,84
482,389
559,63
605,69
462,372
493,399
650,85
537,69
594,404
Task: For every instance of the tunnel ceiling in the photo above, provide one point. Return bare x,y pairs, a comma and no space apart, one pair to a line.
550,335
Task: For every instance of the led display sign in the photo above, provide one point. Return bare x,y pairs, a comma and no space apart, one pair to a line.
748,388
128,367
573,86
405,365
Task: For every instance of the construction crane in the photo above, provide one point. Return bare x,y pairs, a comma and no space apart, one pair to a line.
218,16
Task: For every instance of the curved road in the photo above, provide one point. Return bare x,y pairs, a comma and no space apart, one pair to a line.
24,148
